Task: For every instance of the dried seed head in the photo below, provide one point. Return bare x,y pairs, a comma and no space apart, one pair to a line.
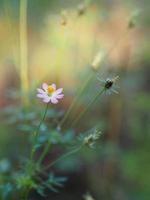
91,139
109,82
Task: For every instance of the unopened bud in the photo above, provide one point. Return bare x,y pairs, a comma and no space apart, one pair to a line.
97,60
133,19
81,9
64,17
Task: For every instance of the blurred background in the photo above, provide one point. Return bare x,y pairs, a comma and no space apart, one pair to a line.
56,41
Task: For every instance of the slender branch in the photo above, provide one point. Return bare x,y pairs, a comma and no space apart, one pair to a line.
62,157
37,131
46,148
41,122
87,108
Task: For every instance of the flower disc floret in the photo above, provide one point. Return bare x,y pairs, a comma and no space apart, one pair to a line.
50,89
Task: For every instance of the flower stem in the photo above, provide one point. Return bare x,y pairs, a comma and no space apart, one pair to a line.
39,126
24,194
37,131
27,194
46,148
63,156
88,106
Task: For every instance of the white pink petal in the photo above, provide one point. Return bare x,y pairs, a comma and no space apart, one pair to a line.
60,96
58,91
40,90
46,99
45,86
40,95
54,86
53,98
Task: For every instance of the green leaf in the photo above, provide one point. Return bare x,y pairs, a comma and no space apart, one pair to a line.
4,166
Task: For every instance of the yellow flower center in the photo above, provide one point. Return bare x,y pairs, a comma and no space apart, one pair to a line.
50,89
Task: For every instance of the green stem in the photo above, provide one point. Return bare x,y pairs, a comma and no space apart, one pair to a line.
39,126
37,131
24,194
63,156
27,194
46,148
88,106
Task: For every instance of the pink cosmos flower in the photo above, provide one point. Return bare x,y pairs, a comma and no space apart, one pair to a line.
48,93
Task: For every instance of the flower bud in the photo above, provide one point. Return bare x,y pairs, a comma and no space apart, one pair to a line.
133,19
64,17
97,60
81,9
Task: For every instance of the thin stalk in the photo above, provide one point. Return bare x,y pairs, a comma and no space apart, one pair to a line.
43,118
24,194
46,148
27,194
24,52
63,156
37,131
73,104
88,106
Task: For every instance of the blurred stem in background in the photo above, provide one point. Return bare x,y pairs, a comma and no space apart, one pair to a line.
8,13
24,52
